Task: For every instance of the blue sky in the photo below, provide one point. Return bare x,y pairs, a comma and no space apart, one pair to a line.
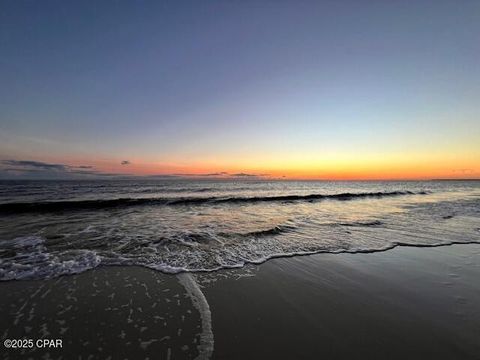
238,84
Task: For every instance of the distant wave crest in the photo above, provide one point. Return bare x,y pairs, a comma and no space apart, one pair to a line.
56,206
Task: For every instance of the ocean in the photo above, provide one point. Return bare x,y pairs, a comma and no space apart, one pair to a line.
54,228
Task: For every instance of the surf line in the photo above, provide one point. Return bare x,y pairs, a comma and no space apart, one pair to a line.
205,348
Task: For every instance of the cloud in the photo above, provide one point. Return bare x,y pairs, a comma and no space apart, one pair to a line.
20,169
28,169
222,173
163,176
215,174
244,175
35,164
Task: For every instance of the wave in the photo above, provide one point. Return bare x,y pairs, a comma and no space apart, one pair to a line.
28,258
276,230
32,260
178,270
362,223
388,247
58,206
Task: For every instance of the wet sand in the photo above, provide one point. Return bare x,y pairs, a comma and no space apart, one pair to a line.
415,303
407,303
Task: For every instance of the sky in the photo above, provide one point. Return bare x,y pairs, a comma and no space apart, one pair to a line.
269,89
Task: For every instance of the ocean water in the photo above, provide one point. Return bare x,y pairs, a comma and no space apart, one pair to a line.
53,228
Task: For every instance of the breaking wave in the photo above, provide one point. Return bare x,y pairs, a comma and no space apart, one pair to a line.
34,261
58,206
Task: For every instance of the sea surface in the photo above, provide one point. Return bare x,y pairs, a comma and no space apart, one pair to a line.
53,228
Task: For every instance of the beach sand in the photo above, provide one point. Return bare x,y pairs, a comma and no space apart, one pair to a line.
405,303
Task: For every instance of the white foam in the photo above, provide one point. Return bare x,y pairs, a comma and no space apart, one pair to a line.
205,348
31,260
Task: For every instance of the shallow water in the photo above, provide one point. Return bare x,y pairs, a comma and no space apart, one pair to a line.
52,228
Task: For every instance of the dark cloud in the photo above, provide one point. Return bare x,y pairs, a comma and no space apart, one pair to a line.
18,170
218,174
222,173
41,170
244,175
164,176
28,169
35,165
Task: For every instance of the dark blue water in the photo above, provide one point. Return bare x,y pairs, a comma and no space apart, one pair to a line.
52,228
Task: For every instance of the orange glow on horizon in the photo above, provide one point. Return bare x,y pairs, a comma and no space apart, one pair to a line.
356,171
295,167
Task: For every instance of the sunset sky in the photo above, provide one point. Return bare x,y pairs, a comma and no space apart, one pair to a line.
274,89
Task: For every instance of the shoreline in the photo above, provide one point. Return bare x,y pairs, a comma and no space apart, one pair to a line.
176,271
406,302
